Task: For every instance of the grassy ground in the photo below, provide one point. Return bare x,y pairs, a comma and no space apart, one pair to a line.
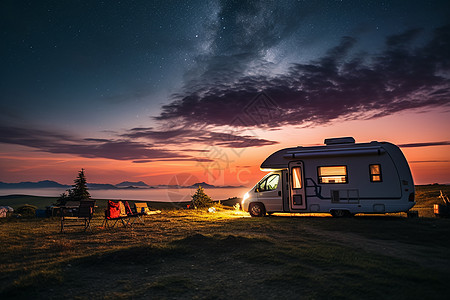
16,201
184,254
427,195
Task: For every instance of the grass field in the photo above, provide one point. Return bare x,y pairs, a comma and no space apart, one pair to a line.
187,254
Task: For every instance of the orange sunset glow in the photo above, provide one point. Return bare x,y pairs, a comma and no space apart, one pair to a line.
240,166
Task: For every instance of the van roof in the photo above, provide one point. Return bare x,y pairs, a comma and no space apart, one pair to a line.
333,148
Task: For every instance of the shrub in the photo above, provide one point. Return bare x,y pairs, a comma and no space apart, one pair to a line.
26,210
200,199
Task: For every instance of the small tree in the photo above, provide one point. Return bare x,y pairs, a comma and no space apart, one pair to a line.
200,199
80,191
77,193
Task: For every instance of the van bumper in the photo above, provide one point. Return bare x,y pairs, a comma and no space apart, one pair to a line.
245,204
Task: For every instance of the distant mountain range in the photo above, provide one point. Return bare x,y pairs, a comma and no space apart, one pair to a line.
102,186
33,185
210,186
131,183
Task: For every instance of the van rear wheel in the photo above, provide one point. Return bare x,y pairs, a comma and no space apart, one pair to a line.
340,213
257,210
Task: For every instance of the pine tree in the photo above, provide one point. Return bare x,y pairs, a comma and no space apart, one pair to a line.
200,199
77,193
80,191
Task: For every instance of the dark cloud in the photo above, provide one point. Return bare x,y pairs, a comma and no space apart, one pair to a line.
338,86
59,143
196,136
161,135
33,137
415,145
195,150
400,40
96,140
120,150
152,144
175,159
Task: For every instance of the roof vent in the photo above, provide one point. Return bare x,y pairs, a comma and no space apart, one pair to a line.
341,140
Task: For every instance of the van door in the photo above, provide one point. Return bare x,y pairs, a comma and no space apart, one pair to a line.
297,186
269,192
286,187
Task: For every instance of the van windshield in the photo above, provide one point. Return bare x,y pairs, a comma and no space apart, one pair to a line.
269,184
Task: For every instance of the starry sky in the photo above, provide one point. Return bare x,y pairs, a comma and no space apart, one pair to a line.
163,90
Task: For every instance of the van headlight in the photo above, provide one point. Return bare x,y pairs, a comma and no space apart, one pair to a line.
246,196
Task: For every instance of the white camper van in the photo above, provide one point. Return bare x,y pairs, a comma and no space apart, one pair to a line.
342,178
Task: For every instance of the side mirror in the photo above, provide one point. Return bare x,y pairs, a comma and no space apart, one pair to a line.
257,190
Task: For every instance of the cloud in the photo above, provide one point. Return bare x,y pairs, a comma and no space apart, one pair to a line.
194,159
428,144
60,143
119,150
139,144
195,150
33,137
158,135
202,136
337,86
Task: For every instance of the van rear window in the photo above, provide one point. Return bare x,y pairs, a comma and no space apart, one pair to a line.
332,174
375,173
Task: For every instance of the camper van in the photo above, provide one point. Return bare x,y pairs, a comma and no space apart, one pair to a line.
342,178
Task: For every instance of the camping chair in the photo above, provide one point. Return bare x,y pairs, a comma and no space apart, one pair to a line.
115,212
143,208
84,212
133,216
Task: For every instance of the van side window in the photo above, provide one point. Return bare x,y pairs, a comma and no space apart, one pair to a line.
332,174
375,173
269,184
296,178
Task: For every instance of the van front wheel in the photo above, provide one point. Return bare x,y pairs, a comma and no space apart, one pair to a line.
257,210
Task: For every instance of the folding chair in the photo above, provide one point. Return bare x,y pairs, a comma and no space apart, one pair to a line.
143,208
115,212
84,212
133,216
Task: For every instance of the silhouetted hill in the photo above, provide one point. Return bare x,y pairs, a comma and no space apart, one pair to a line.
33,185
203,185
210,186
133,184
101,186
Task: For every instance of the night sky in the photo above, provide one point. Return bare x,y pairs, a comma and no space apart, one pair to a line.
145,90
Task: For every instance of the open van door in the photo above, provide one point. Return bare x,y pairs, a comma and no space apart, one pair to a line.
297,195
